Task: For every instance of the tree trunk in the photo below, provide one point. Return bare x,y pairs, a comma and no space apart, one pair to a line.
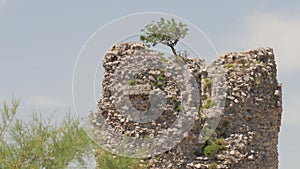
173,50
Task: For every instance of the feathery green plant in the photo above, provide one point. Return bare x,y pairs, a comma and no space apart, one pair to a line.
39,144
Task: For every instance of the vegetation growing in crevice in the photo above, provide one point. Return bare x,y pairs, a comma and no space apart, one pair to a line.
160,78
203,97
179,108
228,65
174,98
159,83
202,116
162,70
213,147
132,82
209,103
207,83
257,80
213,166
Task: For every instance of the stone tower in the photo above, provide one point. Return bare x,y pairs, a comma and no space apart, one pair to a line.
250,119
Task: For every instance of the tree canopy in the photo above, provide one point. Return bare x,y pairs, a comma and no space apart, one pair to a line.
166,32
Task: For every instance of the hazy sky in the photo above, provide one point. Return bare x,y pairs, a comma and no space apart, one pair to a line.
40,42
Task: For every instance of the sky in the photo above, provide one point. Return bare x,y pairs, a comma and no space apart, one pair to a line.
41,40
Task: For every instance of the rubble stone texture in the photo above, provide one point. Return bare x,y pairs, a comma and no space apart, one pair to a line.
250,121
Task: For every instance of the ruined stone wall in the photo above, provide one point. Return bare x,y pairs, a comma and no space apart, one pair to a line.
249,123
251,119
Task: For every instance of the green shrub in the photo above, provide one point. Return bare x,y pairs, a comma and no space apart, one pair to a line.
162,70
213,166
203,97
257,80
160,78
229,65
209,103
220,142
211,150
202,116
179,108
132,82
38,143
107,161
213,147
174,98
159,83
207,83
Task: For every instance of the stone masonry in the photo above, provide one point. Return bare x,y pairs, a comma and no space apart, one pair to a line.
250,117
